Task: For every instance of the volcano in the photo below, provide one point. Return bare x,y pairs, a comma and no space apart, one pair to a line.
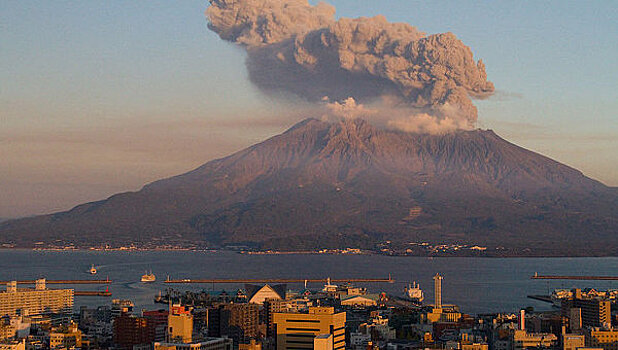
351,184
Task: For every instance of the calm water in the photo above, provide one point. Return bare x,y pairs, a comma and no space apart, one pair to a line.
477,285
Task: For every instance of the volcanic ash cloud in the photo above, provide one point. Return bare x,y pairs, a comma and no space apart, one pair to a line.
300,49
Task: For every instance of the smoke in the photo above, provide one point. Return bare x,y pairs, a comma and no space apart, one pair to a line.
300,49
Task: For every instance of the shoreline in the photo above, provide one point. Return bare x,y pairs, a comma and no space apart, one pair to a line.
306,252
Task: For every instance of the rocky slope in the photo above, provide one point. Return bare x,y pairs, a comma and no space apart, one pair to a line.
352,184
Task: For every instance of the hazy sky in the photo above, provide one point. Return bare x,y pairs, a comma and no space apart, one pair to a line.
99,97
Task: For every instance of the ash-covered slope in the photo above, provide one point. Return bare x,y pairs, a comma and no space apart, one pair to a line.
341,184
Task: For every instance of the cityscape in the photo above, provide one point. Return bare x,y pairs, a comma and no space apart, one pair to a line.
308,175
269,315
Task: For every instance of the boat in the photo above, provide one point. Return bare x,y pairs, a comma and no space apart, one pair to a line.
148,277
93,270
414,292
328,287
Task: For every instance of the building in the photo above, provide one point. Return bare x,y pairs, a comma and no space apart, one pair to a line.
602,338
7,330
323,342
378,328
475,346
159,321
180,325
437,291
573,341
241,322
523,340
206,344
13,345
130,331
298,330
257,294
440,312
281,306
40,300
252,345
593,312
65,336
360,300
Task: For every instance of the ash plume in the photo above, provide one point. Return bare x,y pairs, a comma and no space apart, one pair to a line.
297,48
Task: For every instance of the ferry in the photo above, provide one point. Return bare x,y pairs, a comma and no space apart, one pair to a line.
93,270
148,277
328,287
414,292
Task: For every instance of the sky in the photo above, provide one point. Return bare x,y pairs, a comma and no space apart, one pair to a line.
101,97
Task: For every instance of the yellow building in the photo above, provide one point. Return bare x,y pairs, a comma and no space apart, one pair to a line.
298,330
180,325
253,345
573,341
323,342
523,340
598,338
65,337
39,300
13,345
474,346
7,330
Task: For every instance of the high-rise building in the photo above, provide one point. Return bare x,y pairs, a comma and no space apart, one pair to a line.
437,291
440,312
130,330
240,321
594,312
37,301
298,330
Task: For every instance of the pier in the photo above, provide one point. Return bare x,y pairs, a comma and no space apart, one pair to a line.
285,280
582,278
105,281
89,293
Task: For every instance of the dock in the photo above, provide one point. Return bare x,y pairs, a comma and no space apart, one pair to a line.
88,293
285,280
582,278
105,281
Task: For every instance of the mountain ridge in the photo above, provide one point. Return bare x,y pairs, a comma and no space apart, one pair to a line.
319,180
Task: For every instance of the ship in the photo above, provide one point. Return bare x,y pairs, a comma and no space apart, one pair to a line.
93,270
414,292
328,287
148,277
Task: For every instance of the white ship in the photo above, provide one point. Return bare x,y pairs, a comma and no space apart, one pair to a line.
93,270
148,277
328,287
414,292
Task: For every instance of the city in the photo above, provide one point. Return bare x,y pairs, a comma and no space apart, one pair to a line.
308,174
271,316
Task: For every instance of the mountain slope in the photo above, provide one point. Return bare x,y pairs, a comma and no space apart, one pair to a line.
350,183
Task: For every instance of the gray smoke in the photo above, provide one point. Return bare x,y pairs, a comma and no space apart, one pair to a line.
300,49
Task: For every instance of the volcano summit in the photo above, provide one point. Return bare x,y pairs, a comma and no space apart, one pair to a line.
348,183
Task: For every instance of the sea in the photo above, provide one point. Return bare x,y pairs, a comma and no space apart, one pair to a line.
477,285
